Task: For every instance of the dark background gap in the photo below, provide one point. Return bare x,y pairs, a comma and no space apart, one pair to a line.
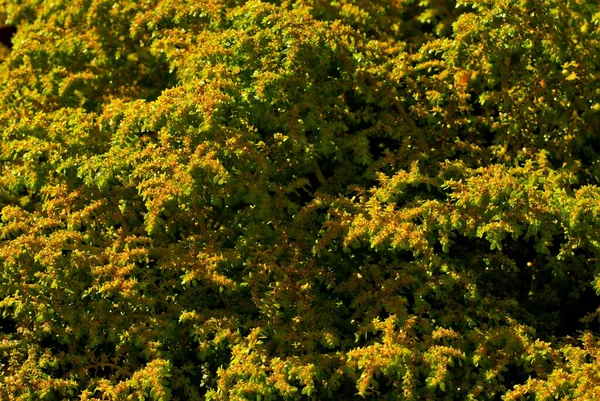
6,34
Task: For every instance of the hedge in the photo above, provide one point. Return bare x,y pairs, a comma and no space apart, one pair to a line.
300,200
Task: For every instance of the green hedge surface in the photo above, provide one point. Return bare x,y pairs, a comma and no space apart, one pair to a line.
300,200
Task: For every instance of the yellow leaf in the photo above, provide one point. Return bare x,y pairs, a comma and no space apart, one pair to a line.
572,77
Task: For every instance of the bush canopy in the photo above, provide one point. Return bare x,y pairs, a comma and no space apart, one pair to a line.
300,200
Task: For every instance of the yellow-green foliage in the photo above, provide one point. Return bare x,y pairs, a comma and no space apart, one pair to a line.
300,200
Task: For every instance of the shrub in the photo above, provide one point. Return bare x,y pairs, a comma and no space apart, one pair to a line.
300,200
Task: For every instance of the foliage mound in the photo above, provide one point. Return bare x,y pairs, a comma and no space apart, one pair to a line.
300,200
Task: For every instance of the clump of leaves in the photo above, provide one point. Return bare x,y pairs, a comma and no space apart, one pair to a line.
300,200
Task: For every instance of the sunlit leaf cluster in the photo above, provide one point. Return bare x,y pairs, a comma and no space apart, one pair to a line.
300,200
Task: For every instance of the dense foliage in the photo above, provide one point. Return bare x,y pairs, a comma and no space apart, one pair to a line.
300,200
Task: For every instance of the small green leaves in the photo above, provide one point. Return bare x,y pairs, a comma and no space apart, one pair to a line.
299,200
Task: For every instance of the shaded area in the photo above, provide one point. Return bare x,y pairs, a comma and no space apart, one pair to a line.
6,34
